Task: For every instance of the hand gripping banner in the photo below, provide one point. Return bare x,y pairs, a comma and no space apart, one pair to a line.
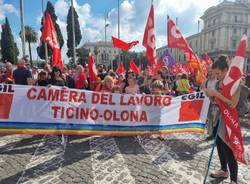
54,110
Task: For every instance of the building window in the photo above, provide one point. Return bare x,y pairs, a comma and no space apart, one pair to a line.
234,44
214,21
235,18
212,45
190,44
212,33
235,31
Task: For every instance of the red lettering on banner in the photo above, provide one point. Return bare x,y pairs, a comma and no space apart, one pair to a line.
139,99
95,98
62,114
134,116
73,96
148,100
104,99
53,95
82,97
55,110
122,103
167,101
124,115
29,94
64,95
69,113
115,116
157,101
111,100
84,113
144,117
94,114
42,95
107,115
131,101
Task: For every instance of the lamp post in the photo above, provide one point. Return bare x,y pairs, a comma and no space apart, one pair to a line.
22,27
105,26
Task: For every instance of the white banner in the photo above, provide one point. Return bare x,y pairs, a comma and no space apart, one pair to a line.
39,110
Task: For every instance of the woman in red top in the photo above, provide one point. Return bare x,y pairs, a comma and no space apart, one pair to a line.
80,78
106,85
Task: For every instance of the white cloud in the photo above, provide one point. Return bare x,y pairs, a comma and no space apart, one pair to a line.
6,8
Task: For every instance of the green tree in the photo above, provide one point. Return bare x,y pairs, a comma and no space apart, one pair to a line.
78,35
30,37
41,49
8,46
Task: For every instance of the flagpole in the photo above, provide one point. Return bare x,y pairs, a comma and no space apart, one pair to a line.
73,30
22,27
46,47
119,55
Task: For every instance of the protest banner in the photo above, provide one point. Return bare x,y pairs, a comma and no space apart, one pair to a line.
54,110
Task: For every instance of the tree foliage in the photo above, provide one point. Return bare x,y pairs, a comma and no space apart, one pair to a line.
78,35
8,46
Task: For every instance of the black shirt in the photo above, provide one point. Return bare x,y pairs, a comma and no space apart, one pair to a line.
21,75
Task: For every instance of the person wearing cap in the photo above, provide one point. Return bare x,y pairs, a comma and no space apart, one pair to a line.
21,75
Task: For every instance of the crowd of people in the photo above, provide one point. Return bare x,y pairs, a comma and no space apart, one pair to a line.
109,81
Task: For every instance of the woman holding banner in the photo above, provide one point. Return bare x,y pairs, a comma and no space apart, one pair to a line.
225,153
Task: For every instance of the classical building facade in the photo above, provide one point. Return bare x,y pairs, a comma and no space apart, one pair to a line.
223,28
104,52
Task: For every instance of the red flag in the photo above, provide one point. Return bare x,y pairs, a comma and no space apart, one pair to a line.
230,85
149,38
92,69
151,71
123,45
133,67
159,64
208,60
49,36
175,38
120,69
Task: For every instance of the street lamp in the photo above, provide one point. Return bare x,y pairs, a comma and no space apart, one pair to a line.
105,27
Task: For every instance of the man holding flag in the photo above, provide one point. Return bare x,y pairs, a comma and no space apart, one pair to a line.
230,145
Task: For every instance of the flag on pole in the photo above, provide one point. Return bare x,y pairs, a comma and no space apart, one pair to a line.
149,38
93,74
168,59
49,36
133,67
120,69
230,85
175,38
123,45
208,60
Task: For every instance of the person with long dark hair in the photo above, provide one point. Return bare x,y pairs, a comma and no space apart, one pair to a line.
225,153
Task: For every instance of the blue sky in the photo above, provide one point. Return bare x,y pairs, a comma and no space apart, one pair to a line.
91,17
